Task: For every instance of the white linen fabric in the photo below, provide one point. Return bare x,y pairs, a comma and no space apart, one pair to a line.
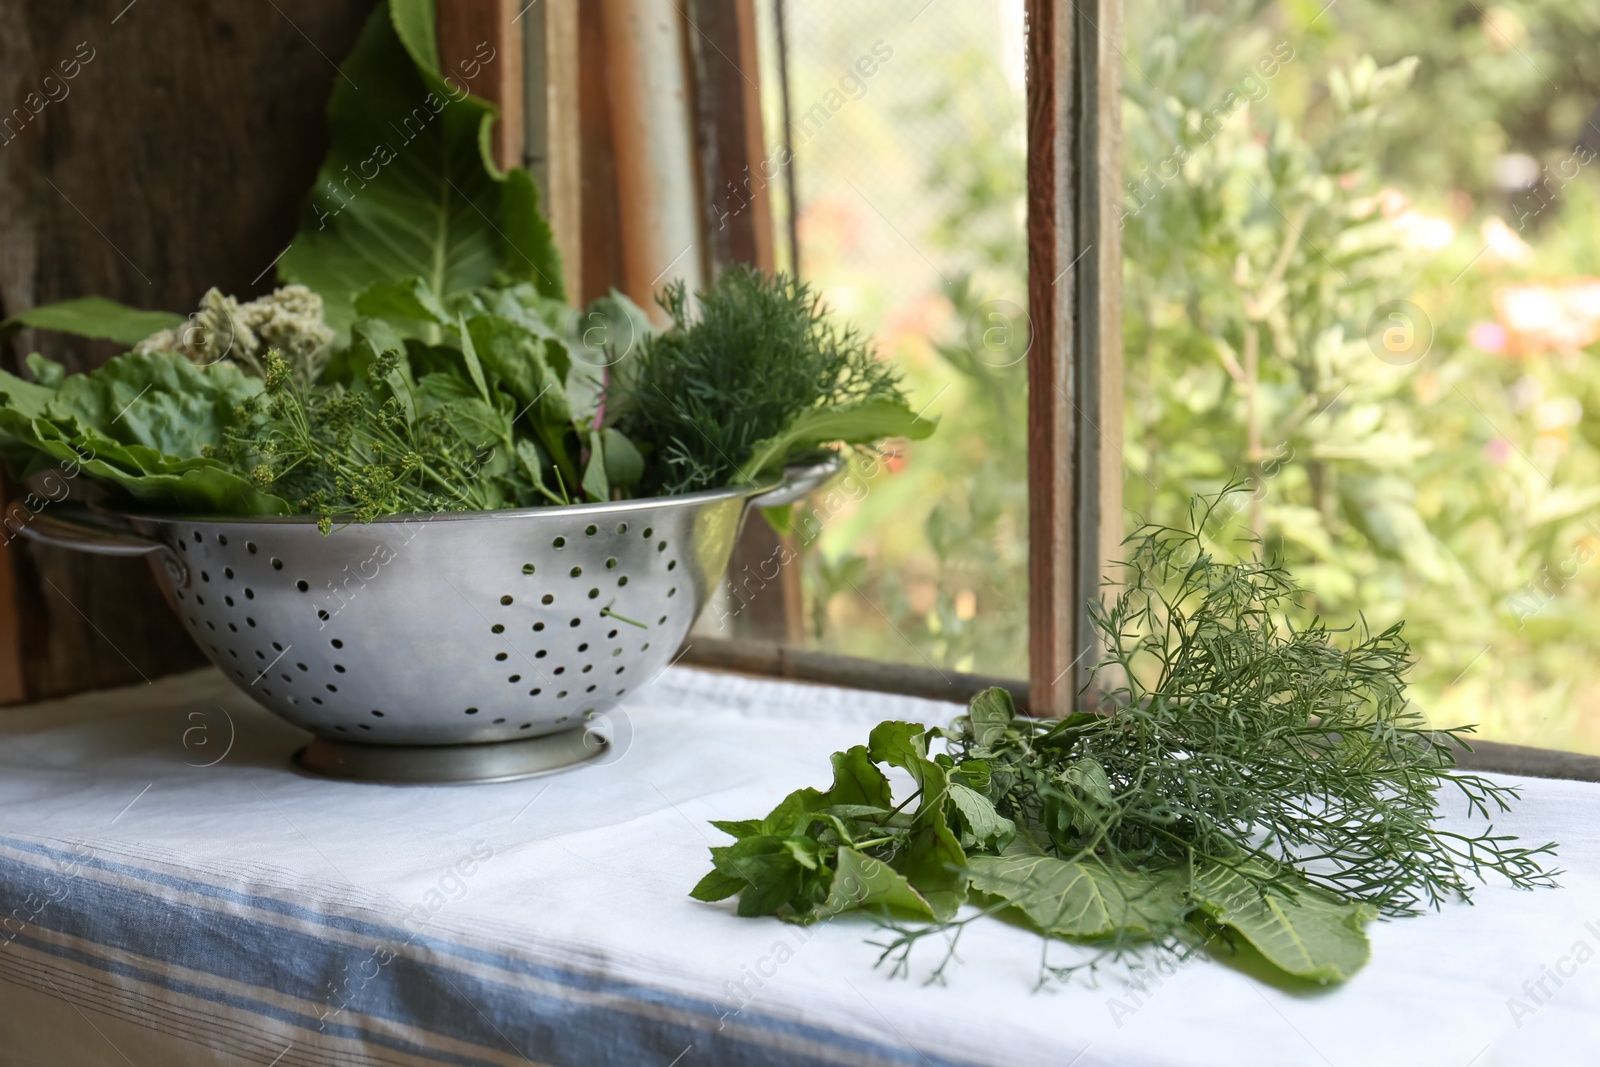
173,892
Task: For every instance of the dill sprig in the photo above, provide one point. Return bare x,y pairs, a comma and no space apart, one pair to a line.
351,454
1235,733
759,353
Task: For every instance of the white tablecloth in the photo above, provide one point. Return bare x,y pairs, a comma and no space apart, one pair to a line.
159,911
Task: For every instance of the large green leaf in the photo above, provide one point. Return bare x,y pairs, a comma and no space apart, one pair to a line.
1309,935
140,423
409,188
95,316
868,421
1082,899
863,882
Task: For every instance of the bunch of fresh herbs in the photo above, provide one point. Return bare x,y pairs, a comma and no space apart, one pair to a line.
1246,779
756,376
424,356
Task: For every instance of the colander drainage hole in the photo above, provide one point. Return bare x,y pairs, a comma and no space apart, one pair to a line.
250,547
662,547
622,527
561,694
197,537
538,626
330,687
584,647
541,654
497,722
198,599
612,634
577,622
249,620
672,565
376,714
594,594
560,670
277,564
363,725
576,572
505,601
649,532
547,599
286,678
233,628
622,581
472,711
526,726
514,678
303,667
611,563
500,657
336,643
560,542
535,692
339,668
228,600
303,585
591,529
276,647
527,568
316,700
222,539
498,628
204,577
227,572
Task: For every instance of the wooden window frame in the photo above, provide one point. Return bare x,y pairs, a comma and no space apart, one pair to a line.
1075,460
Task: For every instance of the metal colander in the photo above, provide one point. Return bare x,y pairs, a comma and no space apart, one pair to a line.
451,629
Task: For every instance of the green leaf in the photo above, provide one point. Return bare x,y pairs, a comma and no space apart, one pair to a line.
981,825
1309,935
409,188
47,372
1089,779
624,464
405,298
595,485
990,713
781,519
716,886
931,858
95,316
866,883
1082,898
863,423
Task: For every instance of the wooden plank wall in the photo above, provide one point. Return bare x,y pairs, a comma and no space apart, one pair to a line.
173,160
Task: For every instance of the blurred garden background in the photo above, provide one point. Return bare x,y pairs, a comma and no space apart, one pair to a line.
1362,273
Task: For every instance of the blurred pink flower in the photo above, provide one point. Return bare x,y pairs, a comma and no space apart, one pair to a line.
1487,336
1498,450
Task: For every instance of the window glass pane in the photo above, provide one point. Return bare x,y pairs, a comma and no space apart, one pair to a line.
907,134
1362,273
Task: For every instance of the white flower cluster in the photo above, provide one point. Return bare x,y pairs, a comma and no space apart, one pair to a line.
289,320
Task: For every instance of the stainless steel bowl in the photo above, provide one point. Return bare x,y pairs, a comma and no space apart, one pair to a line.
461,633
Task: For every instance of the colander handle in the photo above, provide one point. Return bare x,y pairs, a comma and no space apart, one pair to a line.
798,480
76,530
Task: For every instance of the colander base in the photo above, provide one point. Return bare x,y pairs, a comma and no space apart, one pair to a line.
502,761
